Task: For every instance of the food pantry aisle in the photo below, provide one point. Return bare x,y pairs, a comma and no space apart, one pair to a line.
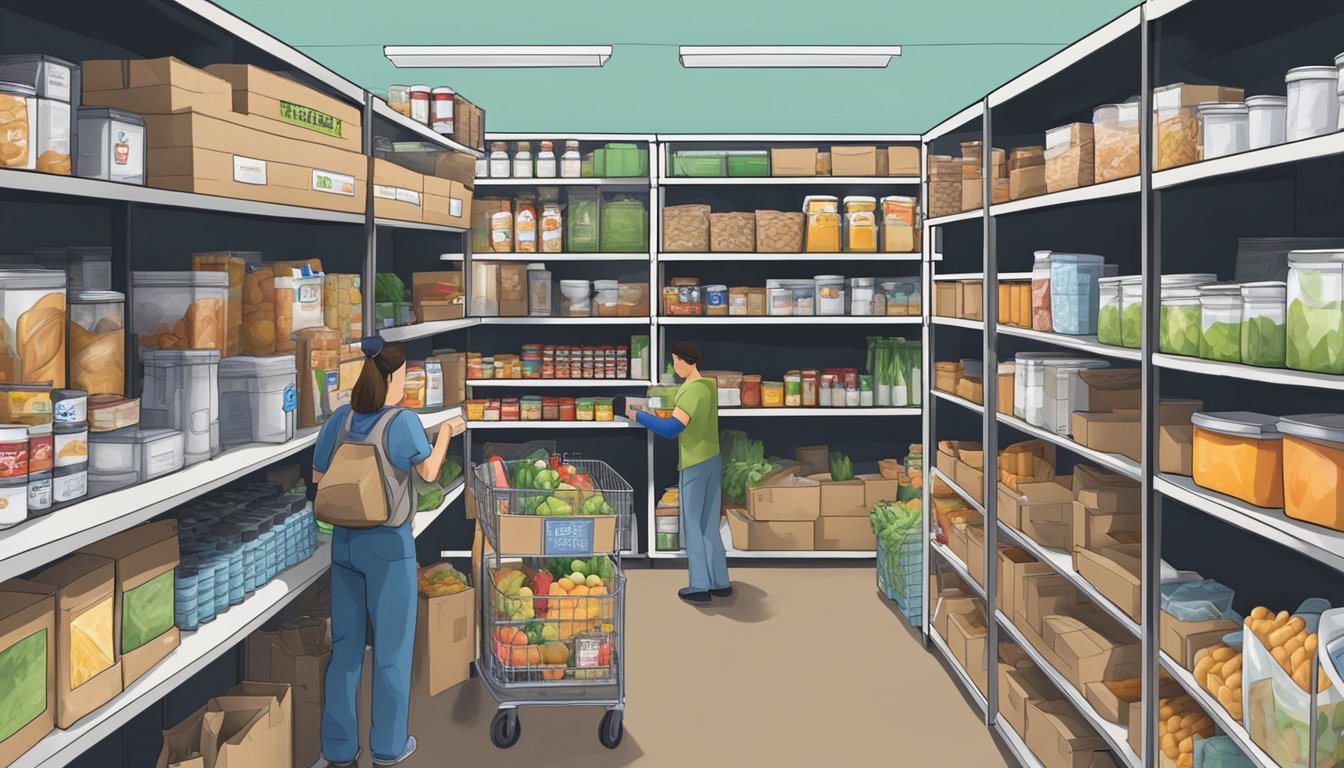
800,665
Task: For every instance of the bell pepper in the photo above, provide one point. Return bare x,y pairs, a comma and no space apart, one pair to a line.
541,585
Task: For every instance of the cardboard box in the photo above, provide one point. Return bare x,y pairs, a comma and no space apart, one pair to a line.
195,152
1093,530
948,606
972,195
1026,182
841,498
1017,689
1069,157
903,161
972,299
28,618
1090,651
297,656
1112,708
793,161
512,289
1015,565
877,489
971,480
845,534
1043,503
398,193
1043,595
784,497
957,540
773,536
946,299
284,107
145,558
446,202
967,636
1108,432
249,728
1181,640
1175,449
1105,491
946,461
1102,390
454,380
1059,737
971,388
445,641
528,534
437,295
85,606
853,161
1114,571
155,87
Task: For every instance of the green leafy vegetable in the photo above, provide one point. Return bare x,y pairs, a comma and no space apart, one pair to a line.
1316,337
146,612
1131,326
450,470
1108,326
744,466
429,495
841,468
1263,342
1178,330
23,667
1221,341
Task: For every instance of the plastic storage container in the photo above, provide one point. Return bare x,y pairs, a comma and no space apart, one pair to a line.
1316,311
1220,322
1264,324
583,220
258,397
749,162
1313,102
180,310
539,293
69,485
1110,305
98,342
14,495
32,327
18,127
1313,468
1267,121
111,145
1060,394
860,224
625,225
182,392
1115,137
1074,297
124,457
823,223
861,292
85,268
1225,127
1178,317
1040,292
1240,454
1029,383
700,163
830,294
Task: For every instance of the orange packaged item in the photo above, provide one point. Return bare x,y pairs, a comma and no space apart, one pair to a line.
180,310
259,310
298,300
823,223
1240,454
1313,468
233,264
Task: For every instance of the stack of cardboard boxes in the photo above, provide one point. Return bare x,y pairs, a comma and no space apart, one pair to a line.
962,299
789,511
442,197
1110,423
844,161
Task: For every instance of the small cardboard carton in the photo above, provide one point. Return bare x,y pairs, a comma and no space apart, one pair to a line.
957,540
537,536
841,498
1105,491
877,489
1181,640
902,161
284,107
1043,595
852,161
437,296
951,605
445,641
971,480
1018,688
784,496
1089,647
248,728
28,631
1114,432
155,87
772,536
967,635
1060,738
447,202
88,665
1114,571
946,299
512,289
398,192
1102,390
975,553
1111,707
1026,182
1014,566
845,534
1175,449
1094,530
793,161
1041,510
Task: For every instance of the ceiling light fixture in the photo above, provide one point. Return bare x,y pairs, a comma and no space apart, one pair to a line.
466,56
788,56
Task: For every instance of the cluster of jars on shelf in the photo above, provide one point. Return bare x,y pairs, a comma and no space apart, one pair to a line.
548,361
539,408
823,295
425,105
523,165
807,388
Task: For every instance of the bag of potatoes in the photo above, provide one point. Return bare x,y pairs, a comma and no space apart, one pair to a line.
686,229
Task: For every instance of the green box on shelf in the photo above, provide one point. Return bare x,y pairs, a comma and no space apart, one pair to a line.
583,221
700,163
625,226
749,163
617,161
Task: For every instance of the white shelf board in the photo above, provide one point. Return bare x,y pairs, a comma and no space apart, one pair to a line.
789,257
1226,723
806,139
548,383
1112,461
952,218
966,497
545,257
792,320
958,322
980,276
1066,58
425,330
94,189
198,649
1062,564
423,520
1117,188
957,565
434,418
619,423
1082,343
31,545
791,181
1025,757
564,321
417,225
1283,376
966,683
1117,736
1280,154
975,111
631,181
963,402
456,257
381,109
1320,544
837,412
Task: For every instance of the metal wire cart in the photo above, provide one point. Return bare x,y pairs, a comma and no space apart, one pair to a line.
552,590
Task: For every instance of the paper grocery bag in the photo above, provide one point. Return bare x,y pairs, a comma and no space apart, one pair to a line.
182,744
245,732
297,656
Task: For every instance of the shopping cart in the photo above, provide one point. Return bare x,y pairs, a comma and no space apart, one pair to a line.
565,647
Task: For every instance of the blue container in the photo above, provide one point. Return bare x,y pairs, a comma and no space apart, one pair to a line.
205,587
250,548
1075,295
230,549
221,561
265,553
186,615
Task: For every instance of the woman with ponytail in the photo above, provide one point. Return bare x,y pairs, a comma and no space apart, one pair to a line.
373,570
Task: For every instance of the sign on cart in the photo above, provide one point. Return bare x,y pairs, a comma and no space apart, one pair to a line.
568,537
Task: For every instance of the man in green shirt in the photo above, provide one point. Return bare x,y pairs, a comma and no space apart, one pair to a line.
695,425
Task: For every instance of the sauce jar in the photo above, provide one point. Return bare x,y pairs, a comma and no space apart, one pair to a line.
568,409
716,299
530,408
510,409
550,409
793,390
420,104
41,448
475,410
399,99
772,394
14,453
809,379
441,111
584,409
751,391
861,224
603,409
13,502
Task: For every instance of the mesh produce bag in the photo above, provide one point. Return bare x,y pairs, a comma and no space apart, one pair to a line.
732,232
686,229
779,232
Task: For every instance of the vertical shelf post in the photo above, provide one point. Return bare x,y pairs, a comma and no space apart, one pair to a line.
990,436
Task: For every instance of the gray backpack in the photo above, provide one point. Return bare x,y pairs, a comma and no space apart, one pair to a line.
362,488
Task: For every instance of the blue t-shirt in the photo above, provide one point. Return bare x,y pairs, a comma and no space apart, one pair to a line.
406,445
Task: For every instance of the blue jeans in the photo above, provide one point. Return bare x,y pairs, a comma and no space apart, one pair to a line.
372,577
701,500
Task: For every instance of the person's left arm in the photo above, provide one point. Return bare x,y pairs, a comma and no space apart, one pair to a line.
674,425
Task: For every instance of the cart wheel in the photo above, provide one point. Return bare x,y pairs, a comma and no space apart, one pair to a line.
505,728
612,729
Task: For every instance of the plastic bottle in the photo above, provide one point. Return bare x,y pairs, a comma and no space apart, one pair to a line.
249,540
546,167
265,553
205,587
499,160
231,552
571,163
522,161
186,614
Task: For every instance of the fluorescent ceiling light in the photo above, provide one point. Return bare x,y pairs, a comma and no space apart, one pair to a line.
498,55
786,56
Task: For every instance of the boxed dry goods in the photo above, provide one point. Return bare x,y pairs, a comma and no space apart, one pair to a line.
793,161
1061,739
1095,529
972,194
511,289
1015,303
946,374
438,295
279,105
784,497
853,161
1183,640
446,202
854,534
779,232
686,228
966,636
144,630
1175,449
296,655
1069,157
900,233
902,161
88,667
343,305
1019,687
1179,139
841,498
1026,172
1089,646
1114,571
1115,134
972,299
948,606
251,725
946,299
773,535
298,299
732,232
1015,565
234,264
1046,508
397,191
258,310
27,665
1118,432
155,87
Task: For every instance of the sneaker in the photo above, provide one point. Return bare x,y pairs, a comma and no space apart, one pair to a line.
693,595
724,592
410,750
352,763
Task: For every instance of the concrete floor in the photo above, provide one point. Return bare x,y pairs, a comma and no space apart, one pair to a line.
800,666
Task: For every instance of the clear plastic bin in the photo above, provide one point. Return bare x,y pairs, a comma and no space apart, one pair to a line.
258,397
1110,291
1178,317
1115,131
1062,388
1220,322
85,268
180,310
1316,311
1240,454
830,291
18,126
1073,292
823,223
1029,383
98,342
1313,102
32,327
1267,118
1040,292
124,457
1225,127
111,145
1313,468
625,225
1264,324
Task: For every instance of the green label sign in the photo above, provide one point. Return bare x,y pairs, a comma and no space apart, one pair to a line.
310,118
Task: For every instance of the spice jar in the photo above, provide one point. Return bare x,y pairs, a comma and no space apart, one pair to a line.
420,110
772,394
442,111
860,224
751,391
568,409
499,160
808,379
546,165
584,409
793,390
399,99
571,163
1267,119
1313,102
522,161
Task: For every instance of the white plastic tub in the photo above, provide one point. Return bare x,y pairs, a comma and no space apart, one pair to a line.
1313,102
1267,120
182,392
1029,384
830,294
111,145
124,457
1225,127
258,398
1061,392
